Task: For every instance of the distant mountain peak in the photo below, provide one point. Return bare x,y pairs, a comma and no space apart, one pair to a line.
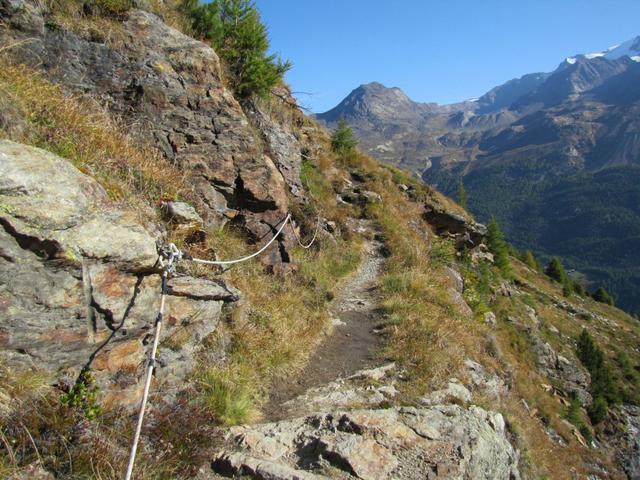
630,48
374,102
377,88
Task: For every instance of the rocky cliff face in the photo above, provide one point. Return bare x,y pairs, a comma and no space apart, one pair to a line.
168,88
79,283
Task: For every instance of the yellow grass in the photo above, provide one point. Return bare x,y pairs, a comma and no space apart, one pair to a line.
76,128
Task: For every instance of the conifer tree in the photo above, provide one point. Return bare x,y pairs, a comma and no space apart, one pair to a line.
462,195
604,389
342,139
579,288
498,247
530,260
235,31
602,296
556,270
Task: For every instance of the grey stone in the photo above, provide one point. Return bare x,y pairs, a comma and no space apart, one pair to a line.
78,285
468,232
181,212
375,373
630,441
238,464
570,373
456,278
490,319
453,392
378,444
371,197
202,289
65,214
489,384
481,254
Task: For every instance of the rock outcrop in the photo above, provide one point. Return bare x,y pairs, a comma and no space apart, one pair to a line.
168,87
80,285
570,374
467,232
445,441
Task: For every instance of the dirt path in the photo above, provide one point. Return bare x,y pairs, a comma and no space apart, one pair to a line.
352,346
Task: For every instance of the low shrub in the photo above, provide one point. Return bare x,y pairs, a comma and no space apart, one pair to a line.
604,387
602,296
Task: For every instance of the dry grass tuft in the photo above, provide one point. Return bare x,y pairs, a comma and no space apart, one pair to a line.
430,336
39,113
101,23
276,327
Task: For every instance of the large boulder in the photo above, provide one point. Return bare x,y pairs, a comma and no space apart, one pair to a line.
78,282
55,211
468,233
404,442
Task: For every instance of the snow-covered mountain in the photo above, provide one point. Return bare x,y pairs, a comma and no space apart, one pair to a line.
630,48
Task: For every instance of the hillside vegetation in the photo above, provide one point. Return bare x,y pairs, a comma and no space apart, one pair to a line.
553,156
560,367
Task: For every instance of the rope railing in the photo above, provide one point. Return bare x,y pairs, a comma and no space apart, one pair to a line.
313,239
243,259
169,255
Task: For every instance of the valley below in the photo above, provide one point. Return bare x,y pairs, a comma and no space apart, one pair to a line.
553,156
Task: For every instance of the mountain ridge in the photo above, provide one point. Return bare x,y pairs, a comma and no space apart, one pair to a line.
527,133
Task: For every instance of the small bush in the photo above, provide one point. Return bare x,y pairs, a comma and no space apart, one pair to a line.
84,395
604,388
556,271
579,288
598,410
602,296
342,140
530,260
623,361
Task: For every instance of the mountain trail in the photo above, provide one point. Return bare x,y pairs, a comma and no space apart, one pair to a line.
352,345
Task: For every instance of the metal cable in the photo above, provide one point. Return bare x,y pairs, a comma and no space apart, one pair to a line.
173,254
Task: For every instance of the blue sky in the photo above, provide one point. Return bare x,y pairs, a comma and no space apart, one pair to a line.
435,50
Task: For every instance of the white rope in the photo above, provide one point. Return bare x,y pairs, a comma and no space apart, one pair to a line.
248,257
315,234
152,360
173,254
